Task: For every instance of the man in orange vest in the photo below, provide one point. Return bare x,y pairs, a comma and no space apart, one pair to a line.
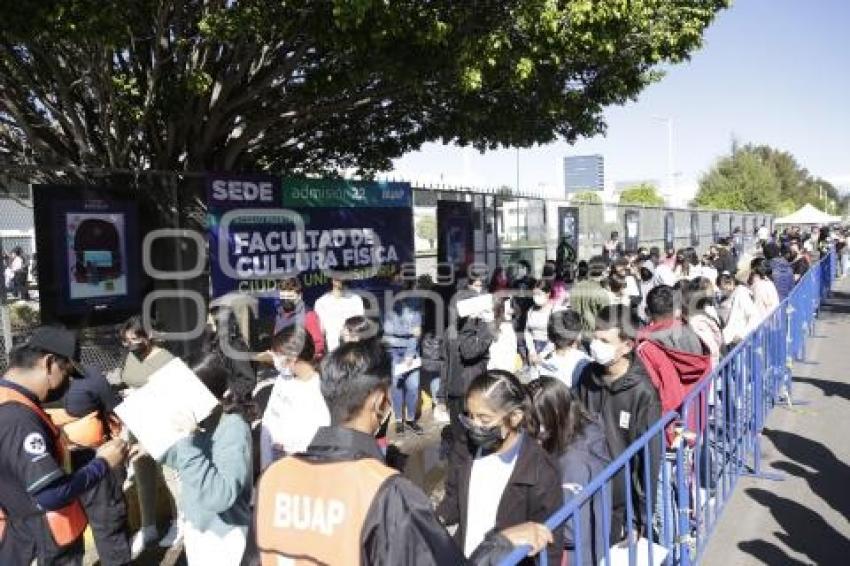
40,515
338,503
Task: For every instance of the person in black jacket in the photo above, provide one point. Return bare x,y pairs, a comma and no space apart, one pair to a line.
617,387
394,526
507,478
457,374
568,432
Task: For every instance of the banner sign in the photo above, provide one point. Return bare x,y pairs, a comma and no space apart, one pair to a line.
264,229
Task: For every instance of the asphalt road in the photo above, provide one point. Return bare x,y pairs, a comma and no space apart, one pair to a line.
806,518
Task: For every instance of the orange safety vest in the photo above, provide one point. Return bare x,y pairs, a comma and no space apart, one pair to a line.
68,523
313,512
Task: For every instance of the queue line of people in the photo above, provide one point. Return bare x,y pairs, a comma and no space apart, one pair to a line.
544,382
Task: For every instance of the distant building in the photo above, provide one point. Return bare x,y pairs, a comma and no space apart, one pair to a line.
584,173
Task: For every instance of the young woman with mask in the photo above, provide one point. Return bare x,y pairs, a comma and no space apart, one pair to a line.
569,433
214,463
144,357
291,310
508,478
537,322
296,408
503,353
699,303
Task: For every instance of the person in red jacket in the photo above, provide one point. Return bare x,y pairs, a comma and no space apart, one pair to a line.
292,310
671,351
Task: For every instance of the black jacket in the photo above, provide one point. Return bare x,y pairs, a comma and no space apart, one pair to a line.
401,527
726,262
627,408
467,355
533,493
583,460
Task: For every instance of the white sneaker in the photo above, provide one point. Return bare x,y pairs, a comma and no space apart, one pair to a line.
141,539
441,415
174,535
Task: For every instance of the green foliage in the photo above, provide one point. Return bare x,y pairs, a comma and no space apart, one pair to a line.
589,197
317,87
426,228
644,194
759,178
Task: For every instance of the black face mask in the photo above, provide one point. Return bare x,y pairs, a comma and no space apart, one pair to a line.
289,305
54,395
138,349
486,438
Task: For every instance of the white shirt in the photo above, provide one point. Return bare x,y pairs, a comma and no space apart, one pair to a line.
563,366
487,482
503,350
295,412
537,325
743,315
333,311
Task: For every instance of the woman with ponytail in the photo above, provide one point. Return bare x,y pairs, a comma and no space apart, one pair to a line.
507,478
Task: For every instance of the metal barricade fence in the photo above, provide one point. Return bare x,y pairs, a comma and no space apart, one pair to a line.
717,437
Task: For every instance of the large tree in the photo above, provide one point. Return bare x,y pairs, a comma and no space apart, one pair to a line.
322,85
741,181
643,193
764,179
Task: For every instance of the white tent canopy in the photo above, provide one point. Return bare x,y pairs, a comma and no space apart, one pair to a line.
808,215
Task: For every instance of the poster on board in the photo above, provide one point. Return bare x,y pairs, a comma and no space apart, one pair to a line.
263,229
90,242
455,227
632,239
669,231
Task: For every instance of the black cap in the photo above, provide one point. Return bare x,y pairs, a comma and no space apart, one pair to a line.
57,340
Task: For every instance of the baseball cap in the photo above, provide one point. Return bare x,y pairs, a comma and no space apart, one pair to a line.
60,341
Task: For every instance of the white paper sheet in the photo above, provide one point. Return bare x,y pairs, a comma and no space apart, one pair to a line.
149,411
475,305
403,368
620,556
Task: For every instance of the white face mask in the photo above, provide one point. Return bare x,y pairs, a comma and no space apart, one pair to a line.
602,353
281,364
540,299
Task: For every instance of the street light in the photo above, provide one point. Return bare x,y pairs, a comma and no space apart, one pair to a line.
671,182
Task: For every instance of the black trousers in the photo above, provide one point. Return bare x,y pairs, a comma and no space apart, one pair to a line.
106,509
25,540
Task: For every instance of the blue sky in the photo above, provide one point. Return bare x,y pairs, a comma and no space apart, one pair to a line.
770,71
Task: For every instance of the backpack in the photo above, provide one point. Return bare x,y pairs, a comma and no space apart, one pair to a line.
674,374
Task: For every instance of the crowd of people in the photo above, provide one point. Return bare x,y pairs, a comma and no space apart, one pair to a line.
540,382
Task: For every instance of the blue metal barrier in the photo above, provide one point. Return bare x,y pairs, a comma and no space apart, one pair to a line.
700,468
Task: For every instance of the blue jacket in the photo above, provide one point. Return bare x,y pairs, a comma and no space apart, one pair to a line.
586,457
216,475
782,275
399,323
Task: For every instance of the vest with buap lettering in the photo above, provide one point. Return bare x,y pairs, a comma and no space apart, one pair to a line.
313,512
67,524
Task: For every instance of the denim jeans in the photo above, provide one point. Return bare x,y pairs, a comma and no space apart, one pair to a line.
405,388
431,379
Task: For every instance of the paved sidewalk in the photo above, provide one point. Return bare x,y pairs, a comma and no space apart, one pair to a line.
806,518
